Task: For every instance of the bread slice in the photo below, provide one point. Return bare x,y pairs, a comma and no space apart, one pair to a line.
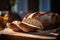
17,25
34,22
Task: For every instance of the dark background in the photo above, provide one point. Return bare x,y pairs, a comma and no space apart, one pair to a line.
33,5
55,6
4,5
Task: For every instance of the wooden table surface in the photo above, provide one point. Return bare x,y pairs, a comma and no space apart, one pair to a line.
8,31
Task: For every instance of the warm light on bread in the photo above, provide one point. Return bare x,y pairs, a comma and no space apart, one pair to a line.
40,19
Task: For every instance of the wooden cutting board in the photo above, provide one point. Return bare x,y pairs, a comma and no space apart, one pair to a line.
8,31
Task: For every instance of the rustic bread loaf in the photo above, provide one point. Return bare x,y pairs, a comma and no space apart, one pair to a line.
41,19
17,26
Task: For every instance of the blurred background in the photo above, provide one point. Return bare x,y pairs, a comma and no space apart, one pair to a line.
21,7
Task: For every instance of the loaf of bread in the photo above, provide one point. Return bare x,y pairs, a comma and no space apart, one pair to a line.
40,19
37,20
17,26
